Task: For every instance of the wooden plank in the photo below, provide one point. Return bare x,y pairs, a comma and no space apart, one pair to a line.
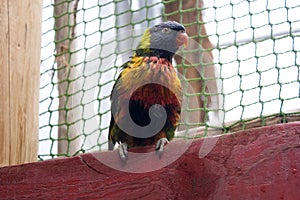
4,85
290,116
20,81
261,163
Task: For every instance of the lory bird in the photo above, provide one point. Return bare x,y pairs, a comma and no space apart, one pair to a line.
146,98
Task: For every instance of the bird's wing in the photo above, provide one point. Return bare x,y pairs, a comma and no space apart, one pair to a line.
114,131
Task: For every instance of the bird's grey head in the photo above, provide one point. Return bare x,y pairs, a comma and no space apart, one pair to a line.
165,39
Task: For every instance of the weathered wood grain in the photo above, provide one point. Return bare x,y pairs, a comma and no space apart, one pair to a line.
20,43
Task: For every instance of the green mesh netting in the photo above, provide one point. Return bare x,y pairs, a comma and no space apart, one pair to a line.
241,69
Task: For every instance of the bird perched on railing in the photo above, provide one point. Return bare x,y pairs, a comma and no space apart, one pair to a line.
146,98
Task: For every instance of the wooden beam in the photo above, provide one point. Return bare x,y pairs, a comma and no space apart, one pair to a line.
199,55
4,85
66,58
20,41
261,163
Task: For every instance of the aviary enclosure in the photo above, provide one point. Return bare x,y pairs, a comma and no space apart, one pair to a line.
239,131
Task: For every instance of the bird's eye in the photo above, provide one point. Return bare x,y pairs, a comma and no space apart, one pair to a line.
165,30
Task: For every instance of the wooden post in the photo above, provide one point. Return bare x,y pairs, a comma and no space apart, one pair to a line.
20,41
200,55
66,59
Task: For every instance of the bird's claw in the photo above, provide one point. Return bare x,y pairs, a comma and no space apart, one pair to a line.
160,146
123,153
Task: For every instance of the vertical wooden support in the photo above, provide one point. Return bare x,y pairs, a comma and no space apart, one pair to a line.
200,55
20,41
66,59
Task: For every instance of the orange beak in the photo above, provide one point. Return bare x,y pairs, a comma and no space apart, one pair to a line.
182,39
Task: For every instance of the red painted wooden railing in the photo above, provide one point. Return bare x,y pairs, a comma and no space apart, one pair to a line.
261,163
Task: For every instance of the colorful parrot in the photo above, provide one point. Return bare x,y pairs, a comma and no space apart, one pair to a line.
146,97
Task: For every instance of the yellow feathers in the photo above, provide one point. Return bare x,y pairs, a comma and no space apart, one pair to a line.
145,41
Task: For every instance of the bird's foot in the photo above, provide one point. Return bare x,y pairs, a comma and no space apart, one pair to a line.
123,153
160,146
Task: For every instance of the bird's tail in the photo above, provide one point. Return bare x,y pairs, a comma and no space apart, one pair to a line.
111,146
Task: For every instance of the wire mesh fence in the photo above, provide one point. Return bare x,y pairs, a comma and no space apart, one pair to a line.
241,69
